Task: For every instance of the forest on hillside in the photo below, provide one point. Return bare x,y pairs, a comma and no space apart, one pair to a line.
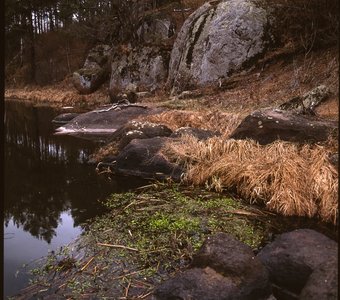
48,40
56,35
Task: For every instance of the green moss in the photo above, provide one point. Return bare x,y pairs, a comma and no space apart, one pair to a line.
149,234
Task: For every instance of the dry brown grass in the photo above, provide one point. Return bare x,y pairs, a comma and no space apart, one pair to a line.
209,120
287,178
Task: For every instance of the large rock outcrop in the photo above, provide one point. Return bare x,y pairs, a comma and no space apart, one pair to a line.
217,39
145,69
156,29
95,70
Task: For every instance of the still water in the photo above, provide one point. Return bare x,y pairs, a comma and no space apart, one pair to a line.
50,190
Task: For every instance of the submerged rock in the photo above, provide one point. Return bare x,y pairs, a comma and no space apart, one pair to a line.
95,70
216,40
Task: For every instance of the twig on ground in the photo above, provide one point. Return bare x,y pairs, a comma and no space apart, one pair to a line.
118,246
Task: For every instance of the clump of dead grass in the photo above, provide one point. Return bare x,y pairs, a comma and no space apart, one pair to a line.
288,178
209,120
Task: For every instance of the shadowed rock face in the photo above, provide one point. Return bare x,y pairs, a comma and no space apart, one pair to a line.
95,71
146,68
216,40
143,158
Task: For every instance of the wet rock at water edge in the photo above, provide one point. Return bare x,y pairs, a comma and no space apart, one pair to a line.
143,158
64,118
104,121
197,283
292,257
139,130
223,268
95,70
268,125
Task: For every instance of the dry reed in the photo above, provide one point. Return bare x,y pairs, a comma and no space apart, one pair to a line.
288,178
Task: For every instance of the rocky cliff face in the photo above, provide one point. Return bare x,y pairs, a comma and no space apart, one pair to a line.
216,40
144,68
95,70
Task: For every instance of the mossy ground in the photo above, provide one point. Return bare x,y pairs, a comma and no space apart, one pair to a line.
144,238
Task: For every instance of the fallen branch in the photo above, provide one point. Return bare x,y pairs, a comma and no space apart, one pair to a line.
118,246
86,265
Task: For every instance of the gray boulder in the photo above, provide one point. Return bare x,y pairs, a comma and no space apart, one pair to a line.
156,29
216,40
139,130
292,257
95,70
102,123
307,103
268,125
146,68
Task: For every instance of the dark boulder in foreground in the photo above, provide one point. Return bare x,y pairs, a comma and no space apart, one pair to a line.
197,284
323,282
224,268
268,125
143,158
294,256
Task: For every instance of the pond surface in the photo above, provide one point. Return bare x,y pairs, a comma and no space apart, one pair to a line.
50,190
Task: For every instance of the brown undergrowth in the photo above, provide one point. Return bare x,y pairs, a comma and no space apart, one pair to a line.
209,120
288,178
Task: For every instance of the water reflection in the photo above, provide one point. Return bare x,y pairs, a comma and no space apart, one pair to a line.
46,175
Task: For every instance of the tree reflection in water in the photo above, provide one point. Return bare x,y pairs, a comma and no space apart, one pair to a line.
46,175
